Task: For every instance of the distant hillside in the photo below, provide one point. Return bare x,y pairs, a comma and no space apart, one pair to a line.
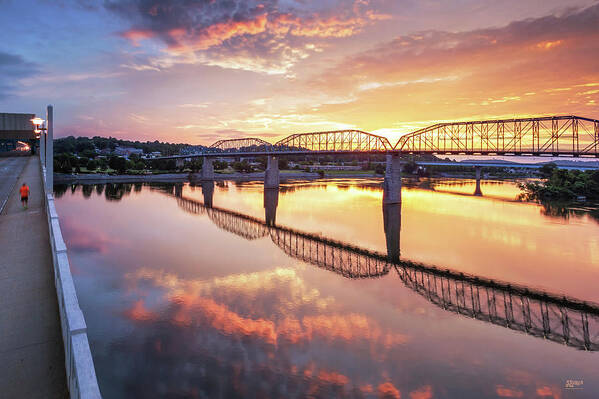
75,145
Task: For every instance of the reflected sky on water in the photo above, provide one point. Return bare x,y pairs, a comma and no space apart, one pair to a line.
206,304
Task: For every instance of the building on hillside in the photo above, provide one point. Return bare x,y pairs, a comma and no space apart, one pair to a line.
154,154
128,151
191,149
15,128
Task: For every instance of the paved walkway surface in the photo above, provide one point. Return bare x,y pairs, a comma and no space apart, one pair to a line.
31,351
10,169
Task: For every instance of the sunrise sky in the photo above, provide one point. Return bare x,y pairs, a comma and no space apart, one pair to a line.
197,71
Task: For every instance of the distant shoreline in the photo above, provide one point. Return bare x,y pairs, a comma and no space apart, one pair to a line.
183,177
97,178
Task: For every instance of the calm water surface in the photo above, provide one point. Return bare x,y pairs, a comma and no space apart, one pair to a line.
228,291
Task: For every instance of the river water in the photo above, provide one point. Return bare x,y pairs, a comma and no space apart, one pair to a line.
317,290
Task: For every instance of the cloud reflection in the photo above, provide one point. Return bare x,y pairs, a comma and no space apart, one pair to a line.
265,326
261,305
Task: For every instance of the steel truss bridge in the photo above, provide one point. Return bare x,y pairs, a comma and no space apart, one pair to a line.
551,136
536,313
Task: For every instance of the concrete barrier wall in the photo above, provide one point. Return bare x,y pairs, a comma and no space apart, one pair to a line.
81,374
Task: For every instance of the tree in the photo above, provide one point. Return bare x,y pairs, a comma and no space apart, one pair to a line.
102,163
89,154
92,165
220,165
243,166
547,169
171,164
62,163
410,167
118,163
283,163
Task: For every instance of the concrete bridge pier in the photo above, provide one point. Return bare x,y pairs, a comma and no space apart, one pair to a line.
271,201
207,169
392,224
178,190
271,176
392,183
477,190
208,192
179,162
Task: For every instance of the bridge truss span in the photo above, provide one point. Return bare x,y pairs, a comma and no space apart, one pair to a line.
339,140
248,144
557,135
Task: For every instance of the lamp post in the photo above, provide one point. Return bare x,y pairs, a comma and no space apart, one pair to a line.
39,130
46,144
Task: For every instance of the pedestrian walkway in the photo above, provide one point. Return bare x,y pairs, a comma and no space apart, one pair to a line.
10,170
31,351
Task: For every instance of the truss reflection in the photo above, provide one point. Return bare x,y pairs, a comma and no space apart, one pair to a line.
536,313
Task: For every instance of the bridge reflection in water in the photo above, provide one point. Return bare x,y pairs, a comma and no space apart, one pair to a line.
552,317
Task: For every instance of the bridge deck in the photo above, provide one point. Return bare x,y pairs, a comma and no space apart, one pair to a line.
31,351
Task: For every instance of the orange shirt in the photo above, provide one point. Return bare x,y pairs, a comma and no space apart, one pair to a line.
24,191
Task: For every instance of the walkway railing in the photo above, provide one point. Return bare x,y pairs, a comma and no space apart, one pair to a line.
81,374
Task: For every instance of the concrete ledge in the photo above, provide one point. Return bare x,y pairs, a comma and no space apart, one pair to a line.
79,364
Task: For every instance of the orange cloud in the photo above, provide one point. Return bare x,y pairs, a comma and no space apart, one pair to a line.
139,312
333,26
456,76
333,378
388,391
547,391
194,302
136,35
426,392
216,34
546,45
505,392
191,308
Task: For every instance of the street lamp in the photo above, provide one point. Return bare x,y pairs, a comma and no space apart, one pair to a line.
38,122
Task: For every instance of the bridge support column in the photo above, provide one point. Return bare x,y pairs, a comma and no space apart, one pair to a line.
179,162
271,176
207,169
392,224
478,170
179,190
271,201
392,183
208,192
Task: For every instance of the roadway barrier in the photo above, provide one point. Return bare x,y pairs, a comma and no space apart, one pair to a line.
81,374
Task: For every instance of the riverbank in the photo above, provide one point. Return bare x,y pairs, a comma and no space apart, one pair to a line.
96,178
